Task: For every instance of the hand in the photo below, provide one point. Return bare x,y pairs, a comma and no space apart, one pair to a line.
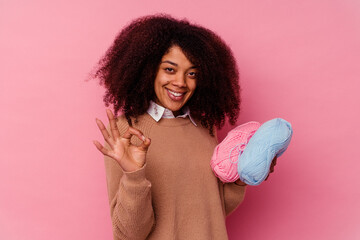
272,166
129,156
240,183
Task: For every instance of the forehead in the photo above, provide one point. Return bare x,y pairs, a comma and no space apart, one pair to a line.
176,55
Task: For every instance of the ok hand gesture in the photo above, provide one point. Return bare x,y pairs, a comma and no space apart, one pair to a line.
129,156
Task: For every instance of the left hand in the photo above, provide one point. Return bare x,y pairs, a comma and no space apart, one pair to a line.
272,166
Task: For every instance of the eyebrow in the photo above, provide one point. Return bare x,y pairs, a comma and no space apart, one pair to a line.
175,64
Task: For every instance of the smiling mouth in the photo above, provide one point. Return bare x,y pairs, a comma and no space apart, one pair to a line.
175,96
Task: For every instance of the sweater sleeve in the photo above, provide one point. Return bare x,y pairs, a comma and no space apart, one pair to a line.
233,195
129,195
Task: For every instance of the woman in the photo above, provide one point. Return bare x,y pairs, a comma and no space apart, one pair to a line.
174,82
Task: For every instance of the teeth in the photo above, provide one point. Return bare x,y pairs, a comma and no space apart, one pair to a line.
176,94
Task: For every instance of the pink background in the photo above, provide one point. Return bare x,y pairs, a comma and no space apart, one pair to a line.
299,60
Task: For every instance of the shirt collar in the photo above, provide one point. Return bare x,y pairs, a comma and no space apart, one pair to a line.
157,112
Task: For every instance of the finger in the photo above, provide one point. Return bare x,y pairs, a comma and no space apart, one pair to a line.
145,145
274,160
105,133
272,168
133,131
273,163
113,125
101,148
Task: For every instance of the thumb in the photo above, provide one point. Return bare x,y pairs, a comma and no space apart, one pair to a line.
145,145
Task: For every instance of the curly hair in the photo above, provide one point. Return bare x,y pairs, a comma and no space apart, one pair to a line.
129,67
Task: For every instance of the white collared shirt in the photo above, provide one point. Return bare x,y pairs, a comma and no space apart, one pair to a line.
157,112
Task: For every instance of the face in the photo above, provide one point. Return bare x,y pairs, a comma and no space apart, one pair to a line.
175,80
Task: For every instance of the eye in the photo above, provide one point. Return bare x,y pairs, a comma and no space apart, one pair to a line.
168,69
192,74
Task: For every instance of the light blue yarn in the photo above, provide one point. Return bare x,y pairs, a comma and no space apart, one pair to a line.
270,140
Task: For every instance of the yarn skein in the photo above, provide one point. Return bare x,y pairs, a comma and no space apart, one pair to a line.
224,161
270,140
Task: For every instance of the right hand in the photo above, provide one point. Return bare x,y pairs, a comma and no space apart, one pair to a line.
129,156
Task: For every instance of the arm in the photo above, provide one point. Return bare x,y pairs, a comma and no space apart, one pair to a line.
129,191
234,194
130,201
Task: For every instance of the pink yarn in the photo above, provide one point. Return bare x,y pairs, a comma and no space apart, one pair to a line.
225,156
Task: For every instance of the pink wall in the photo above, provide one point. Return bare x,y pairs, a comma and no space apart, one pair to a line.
298,60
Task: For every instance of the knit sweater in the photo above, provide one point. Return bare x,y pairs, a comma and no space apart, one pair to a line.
175,195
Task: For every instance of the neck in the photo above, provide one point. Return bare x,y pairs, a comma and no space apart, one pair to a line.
177,113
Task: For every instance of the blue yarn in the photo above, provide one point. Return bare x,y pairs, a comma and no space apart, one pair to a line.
270,140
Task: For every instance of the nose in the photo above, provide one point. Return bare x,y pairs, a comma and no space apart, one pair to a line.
179,80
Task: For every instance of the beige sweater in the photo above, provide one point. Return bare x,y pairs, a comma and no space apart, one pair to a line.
175,195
